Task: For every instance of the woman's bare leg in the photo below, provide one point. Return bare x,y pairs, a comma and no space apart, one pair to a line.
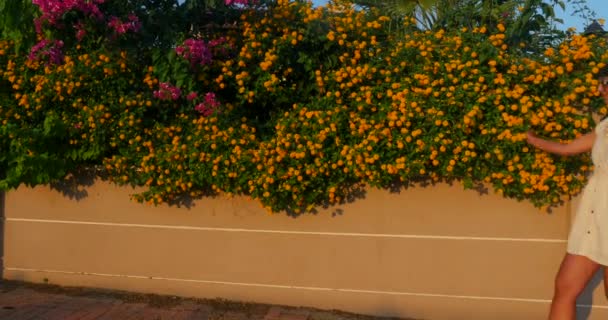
574,274
606,281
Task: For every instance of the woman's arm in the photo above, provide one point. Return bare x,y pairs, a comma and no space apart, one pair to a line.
576,146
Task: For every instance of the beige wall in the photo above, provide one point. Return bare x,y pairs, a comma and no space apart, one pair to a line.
427,253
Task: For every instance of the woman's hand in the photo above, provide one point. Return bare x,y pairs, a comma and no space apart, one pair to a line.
531,136
576,146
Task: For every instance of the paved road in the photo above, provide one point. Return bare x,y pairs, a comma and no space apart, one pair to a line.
23,301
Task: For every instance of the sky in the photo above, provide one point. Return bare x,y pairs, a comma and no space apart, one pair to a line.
599,6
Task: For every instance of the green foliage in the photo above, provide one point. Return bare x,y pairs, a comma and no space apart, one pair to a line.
317,104
16,18
531,22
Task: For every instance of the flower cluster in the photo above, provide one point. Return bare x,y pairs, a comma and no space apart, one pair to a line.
167,91
81,31
198,52
208,106
191,96
239,2
47,50
121,27
84,17
54,10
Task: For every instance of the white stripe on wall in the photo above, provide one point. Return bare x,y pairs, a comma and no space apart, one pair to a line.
273,286
290,232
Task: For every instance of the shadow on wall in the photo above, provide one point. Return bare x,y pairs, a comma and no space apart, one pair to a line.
75,185
584,303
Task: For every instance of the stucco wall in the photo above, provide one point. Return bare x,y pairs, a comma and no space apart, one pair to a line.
436,252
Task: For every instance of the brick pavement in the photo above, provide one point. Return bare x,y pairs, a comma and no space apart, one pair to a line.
22,301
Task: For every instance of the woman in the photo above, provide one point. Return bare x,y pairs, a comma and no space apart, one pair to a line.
588,240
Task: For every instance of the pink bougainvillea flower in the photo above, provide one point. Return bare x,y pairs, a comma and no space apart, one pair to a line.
241,2
207,107
196,51
48,50
81,32
121,27
54,10
191,96
37,48
167,91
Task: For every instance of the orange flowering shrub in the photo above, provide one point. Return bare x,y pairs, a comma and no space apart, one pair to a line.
312,105
55,118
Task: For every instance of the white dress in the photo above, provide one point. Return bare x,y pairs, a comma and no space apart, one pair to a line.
589,233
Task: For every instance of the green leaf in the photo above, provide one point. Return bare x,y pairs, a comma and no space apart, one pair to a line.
49,124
